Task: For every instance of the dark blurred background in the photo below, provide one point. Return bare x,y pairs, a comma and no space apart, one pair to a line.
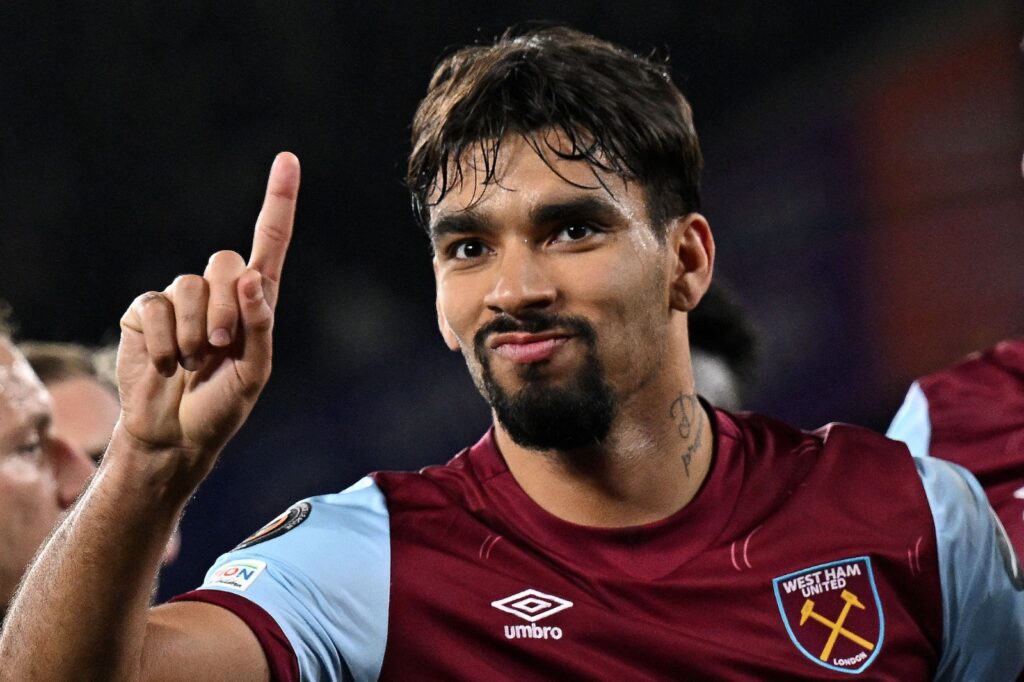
863,182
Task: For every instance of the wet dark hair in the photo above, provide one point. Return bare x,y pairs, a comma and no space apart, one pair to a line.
618,112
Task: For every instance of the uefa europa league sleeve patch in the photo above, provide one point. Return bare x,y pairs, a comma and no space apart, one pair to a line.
237,575
833,614
295,515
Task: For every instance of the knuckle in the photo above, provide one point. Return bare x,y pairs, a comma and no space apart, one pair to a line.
226,257
273,232
283,191
189,283
151,301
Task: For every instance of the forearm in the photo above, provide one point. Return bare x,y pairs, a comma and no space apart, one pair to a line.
82,608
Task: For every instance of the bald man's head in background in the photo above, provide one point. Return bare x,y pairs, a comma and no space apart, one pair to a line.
83,386
40,474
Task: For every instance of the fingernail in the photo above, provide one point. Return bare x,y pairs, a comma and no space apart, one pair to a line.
220,337
190,363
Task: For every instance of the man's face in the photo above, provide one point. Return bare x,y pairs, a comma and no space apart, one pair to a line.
39,476
554,289
84,414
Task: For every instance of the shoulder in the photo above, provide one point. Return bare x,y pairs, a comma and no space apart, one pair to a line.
360,510
320,572
980,578
981,373
772,437
324,540
452,484
987,385
970,412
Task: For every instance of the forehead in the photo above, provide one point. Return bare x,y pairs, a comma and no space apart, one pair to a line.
525,173
22,395
82,396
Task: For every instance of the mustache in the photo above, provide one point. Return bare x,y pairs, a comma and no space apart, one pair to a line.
535,323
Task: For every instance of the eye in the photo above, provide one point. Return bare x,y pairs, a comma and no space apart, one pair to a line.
32,449
574,233
467,249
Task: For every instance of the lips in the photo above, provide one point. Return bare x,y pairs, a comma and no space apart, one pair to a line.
527,348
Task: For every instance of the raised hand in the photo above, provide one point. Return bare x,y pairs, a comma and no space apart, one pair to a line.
194,358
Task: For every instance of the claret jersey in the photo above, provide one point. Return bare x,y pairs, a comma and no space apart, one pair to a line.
825,555
972,413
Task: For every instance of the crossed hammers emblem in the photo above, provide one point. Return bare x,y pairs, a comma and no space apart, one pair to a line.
837,625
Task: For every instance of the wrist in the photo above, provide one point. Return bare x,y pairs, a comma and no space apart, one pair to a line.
161,474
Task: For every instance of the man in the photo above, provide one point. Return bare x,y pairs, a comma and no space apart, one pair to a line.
972,413
83,393
40,476
609,526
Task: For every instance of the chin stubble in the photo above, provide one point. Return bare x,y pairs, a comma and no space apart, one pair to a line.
541,416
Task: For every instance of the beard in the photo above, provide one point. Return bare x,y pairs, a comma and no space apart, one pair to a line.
541,416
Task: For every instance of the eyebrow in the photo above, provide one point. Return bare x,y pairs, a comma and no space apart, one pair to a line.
470,221
37,422
463,222
587,207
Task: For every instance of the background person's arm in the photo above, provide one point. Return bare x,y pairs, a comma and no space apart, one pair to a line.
82,610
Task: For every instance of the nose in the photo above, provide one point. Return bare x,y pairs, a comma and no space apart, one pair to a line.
72,469
523,282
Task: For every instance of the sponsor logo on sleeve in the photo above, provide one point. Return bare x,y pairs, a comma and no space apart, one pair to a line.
237,575
292,517
532,606
833,614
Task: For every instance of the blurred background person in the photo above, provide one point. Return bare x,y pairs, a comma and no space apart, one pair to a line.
83,391
83,388
40,475
723,348
970,413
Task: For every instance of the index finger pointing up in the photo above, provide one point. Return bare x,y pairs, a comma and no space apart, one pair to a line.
274,224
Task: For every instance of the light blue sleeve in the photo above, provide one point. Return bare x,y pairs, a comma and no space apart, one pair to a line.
982,601
325,582
912,424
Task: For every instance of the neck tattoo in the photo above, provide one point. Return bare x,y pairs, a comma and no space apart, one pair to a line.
688,416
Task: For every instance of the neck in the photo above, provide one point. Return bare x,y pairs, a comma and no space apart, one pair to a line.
650,466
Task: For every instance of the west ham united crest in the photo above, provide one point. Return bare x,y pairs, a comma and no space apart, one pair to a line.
833,614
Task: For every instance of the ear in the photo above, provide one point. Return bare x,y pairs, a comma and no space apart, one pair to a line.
692,249
450,339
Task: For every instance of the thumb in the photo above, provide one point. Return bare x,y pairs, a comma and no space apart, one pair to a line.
257,327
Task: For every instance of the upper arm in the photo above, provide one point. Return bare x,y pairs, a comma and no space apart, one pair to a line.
312,588
983,601
189,641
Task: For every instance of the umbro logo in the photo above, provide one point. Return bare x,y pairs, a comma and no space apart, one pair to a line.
531,606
